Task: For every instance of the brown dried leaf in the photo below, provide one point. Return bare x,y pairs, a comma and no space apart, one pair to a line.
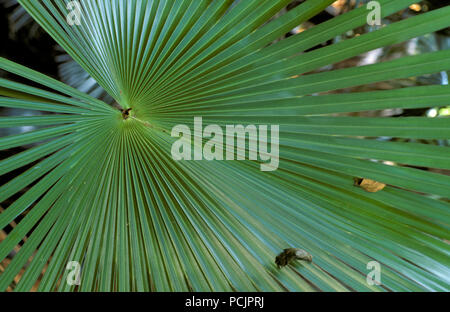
369,185
290,254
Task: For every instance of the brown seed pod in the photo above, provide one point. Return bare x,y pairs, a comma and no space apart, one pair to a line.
291,254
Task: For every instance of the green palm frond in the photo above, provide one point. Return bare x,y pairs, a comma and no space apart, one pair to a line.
70,72
104,190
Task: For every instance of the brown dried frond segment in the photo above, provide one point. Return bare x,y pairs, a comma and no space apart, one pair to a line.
369,185
291,254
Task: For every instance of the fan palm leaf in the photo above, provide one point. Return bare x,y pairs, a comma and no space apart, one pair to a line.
104,190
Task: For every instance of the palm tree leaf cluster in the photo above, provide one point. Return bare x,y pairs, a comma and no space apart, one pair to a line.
104,190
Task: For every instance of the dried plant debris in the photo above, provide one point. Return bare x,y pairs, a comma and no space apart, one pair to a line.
369,185
291,254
